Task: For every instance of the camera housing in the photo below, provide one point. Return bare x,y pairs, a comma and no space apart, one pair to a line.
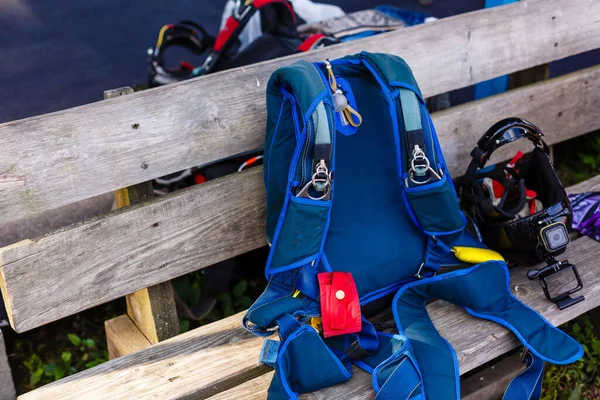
555,237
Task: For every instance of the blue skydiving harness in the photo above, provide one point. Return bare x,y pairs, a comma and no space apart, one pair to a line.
393,223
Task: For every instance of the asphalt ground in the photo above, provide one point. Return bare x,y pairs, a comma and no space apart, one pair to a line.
60,54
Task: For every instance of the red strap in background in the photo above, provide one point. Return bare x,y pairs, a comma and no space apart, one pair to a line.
262,3
230,26
340,307
199,178
185,65
310,42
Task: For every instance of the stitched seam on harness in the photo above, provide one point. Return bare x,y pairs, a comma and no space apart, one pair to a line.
393,372
411,393
521,373
538,378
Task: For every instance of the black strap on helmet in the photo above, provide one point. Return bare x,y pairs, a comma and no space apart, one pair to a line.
186,34
503,132
278,18
500,134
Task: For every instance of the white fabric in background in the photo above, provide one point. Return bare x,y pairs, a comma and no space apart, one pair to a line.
305,9
316,12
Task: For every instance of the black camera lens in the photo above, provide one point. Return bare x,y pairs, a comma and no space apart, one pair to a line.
555,236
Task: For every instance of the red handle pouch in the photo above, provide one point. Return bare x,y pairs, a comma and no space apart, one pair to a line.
340,307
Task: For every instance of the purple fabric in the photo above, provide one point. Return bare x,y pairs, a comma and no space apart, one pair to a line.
586,213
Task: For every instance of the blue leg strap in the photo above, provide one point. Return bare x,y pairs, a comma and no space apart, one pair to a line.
397,378
396,374
278,300
528,384
361,344
303,363
484,292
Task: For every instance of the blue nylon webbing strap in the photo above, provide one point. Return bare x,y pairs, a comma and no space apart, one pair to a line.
528,384
307,282
410,110
402,383
268,354
275,301
287,325
362,343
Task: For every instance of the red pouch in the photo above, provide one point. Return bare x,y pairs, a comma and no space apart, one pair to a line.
340,308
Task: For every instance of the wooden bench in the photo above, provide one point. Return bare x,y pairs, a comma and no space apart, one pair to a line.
57,159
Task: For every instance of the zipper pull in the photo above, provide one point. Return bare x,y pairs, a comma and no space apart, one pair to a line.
340,102
419,162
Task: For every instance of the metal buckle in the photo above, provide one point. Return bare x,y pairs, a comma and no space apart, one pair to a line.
420,166
432,174
320,182
418,274
564,299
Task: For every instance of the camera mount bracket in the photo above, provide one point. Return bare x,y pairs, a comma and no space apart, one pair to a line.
564,299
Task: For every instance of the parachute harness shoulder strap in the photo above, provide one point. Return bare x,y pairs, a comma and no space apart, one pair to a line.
420,171
293,287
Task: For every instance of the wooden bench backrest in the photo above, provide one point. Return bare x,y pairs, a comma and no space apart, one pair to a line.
60,158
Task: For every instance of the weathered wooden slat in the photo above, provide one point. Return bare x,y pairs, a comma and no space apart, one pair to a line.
56,159
196,364
563,108
254,389
217,357
190,230
215,221
124,337
7,387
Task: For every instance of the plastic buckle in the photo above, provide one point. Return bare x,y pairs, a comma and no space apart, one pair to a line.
564,299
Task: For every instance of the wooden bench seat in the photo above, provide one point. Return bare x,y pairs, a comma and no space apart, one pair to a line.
57,159
220,356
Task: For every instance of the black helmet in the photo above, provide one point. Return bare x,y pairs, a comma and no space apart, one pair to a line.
527,233
186,34
277,17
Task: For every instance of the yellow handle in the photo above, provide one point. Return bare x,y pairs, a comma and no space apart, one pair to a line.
473,255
